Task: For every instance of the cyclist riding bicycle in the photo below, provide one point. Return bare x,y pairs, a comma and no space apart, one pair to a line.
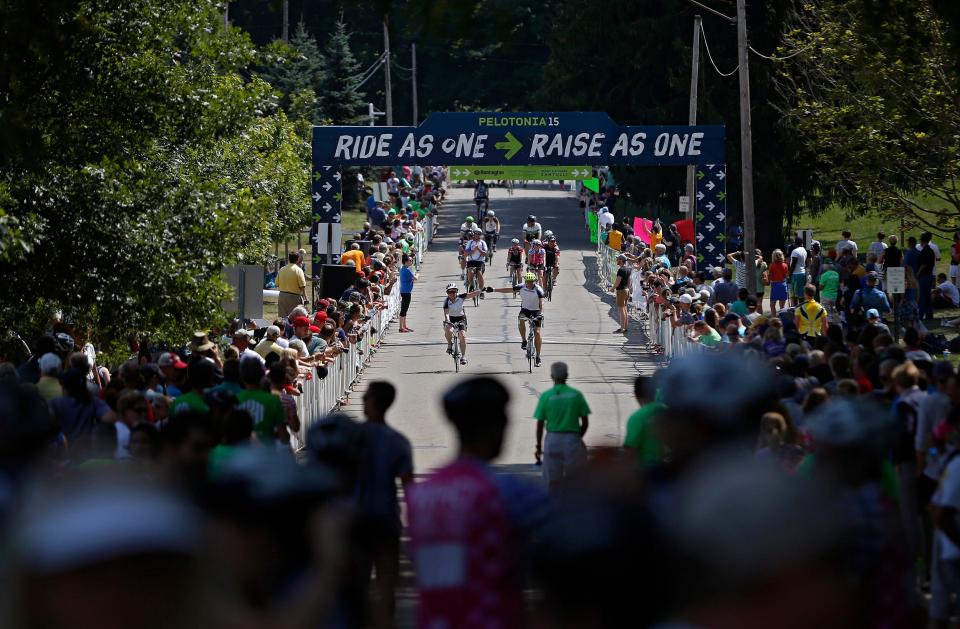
537,260
531,231
475,251
455,316
491,230
552,250
481,195
531,305
466,228
515,261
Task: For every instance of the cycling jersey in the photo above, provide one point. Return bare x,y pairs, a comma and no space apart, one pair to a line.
476,250
455,308
530,297
537,256
515,255
532,230
490,225
480,192
466,228
552,255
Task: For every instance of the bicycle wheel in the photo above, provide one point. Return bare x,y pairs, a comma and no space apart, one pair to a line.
549,290
473,288
456,357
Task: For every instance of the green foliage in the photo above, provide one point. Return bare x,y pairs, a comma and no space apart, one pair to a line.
873,93
298,71
138,161
342,98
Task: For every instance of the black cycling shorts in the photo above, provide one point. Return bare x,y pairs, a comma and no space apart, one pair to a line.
474,264
462,319
530,237
532,314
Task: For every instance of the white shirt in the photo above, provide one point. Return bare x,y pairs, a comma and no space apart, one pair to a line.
532,230
605,219
936,249
393,185
800,255
476,250
948,495
490,224
846,244
950,291
455,307
877,248
529,297
466,227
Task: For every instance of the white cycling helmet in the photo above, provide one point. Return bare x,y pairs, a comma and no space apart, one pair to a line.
491,213
547,234
537,241
451,287
515,241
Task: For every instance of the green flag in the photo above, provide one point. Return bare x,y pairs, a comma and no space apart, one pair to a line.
592,184
592,219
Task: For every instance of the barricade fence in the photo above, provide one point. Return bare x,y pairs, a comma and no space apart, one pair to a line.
321,396
661,334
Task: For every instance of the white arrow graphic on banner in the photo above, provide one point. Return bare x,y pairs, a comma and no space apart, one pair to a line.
721,216
700,237
710,247
335,218
316,196
456,172
466,173
326,186
720,258
721,175
336,176
326,167
711,185
711,166
710,206
327,206
710,227
699,196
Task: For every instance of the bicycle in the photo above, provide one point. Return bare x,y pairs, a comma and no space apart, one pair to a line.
531,339
458,327
491,240
474,286
516,274
548,284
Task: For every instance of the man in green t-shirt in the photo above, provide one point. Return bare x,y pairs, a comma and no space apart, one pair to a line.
705,335
640,435
829,288
200,377
563,412
264,407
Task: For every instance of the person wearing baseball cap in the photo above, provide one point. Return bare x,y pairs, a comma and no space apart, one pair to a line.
241,340
870,298
873,319
269,343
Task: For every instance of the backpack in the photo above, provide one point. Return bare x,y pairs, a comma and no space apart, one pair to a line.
935,344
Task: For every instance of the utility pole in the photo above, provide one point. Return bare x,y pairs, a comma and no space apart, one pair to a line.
389,91
226,15
413,68
692,117
746,148
285,32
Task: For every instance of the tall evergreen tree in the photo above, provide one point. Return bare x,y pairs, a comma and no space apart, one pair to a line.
297,70
343,102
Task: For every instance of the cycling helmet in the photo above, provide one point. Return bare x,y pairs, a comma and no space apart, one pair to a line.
469,219
491,213
532,217
476,231
552,238
547,233
537,242
62,342
515,241
451,287
530,277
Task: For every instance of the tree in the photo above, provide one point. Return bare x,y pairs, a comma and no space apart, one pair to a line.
343,101
872,91
137,161
298,71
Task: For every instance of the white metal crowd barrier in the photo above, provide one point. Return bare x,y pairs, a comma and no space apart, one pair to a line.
321,396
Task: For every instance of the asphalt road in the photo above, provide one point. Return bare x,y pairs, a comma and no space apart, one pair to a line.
579,325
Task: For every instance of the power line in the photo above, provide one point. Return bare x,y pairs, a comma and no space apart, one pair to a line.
710,56
790,56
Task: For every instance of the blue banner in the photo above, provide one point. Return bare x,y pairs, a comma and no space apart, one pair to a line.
711,217
498,139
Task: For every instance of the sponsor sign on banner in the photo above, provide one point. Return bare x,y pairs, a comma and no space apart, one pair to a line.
519,173
497,138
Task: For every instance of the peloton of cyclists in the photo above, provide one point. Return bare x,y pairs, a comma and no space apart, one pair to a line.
531,231
491,230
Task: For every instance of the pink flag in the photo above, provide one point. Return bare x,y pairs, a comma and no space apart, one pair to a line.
641,228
